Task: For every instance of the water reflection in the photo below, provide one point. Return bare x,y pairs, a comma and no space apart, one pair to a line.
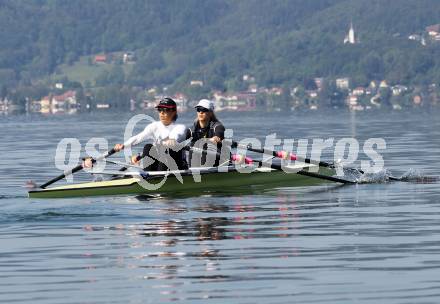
239,249
237,221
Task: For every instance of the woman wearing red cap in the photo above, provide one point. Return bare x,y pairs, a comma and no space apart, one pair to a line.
165,133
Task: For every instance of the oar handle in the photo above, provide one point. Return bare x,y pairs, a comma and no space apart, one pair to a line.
76,169
241,159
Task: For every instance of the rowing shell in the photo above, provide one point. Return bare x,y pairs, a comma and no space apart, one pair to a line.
212,180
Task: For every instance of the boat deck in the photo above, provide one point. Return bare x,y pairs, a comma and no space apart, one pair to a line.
209,180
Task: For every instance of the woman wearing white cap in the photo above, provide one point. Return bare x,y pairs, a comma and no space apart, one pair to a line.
208,127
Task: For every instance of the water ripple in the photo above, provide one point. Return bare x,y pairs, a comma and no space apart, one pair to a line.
367,243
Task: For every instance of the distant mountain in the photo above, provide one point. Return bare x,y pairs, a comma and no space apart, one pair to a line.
278,42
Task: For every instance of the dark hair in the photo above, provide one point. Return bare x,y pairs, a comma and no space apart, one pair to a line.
213,117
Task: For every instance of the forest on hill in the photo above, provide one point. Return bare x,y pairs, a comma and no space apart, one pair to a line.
278,42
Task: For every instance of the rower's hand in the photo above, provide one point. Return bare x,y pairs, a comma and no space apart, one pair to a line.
169,143
135,159
215,139
118,147
87,163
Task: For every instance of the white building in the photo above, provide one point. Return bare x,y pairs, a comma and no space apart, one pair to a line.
343,83
350,38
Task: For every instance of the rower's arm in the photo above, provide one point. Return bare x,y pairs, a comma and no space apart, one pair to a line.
178,133
145,134
219,131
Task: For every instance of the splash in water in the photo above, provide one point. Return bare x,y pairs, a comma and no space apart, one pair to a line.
416,176
378,177
383,176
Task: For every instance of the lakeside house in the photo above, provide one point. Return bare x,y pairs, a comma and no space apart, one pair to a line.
353,103
53,104
253,88
129,57
195,83
359,91
248,78
433,30
244,101
3,105
181,102
343,83
383,84
377,94
312,94
398,90
319,82
99,59
102,106
431,34
7,106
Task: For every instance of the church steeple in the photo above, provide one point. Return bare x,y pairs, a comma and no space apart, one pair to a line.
350,38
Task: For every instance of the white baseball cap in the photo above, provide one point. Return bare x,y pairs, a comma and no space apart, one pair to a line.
205,103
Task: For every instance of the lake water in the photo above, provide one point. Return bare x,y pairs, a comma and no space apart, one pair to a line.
366,243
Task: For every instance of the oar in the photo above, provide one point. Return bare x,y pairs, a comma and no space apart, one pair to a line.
291,156
282,154
77,168
249,160
125,165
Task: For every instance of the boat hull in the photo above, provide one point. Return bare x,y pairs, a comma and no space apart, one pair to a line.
210,181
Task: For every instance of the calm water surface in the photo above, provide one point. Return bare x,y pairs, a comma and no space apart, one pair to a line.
369,243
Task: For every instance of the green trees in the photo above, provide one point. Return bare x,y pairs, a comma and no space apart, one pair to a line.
279,42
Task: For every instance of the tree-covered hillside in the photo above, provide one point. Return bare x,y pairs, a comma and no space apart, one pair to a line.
279,42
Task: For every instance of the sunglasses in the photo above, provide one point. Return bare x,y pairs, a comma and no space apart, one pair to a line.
202,110
165,110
